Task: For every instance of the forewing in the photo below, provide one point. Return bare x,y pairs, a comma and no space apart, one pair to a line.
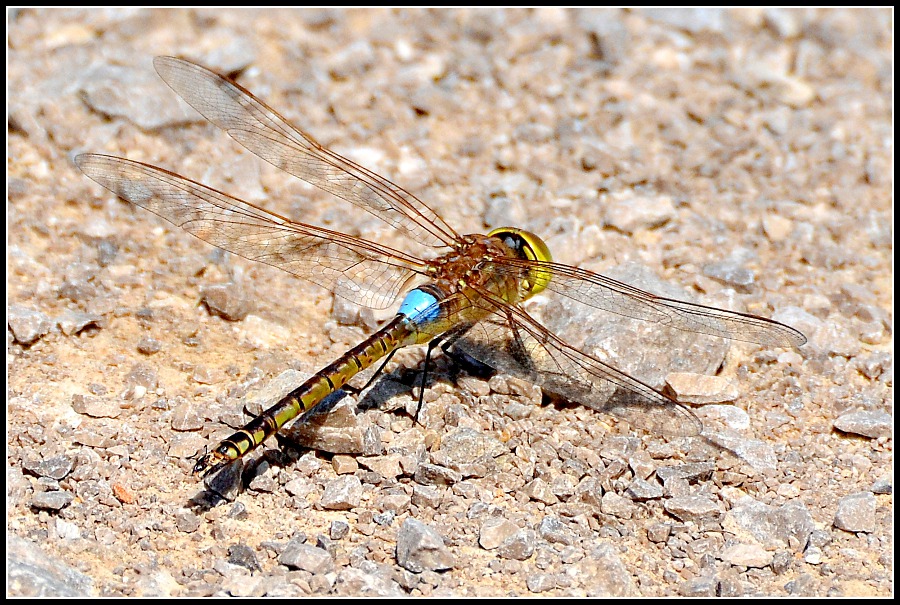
513,342
263,131
605,293
356,269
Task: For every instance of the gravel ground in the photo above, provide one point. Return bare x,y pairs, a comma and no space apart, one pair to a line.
737,157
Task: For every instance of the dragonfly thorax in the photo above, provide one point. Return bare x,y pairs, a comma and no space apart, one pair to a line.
507,266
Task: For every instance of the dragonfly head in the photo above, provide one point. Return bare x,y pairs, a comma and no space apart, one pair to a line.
527,246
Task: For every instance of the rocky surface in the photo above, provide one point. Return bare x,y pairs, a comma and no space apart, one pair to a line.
740,157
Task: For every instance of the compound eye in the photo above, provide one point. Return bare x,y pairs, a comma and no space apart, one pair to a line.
515,242
528,246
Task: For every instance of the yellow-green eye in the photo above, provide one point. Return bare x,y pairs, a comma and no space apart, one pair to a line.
527,246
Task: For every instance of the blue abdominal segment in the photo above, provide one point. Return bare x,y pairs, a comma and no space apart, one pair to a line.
420,307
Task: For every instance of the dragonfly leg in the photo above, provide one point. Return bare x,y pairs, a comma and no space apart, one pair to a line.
356,391
462,359
432,345
472,366
467,362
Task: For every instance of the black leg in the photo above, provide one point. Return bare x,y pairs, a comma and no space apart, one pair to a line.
462,359
472,366
447,339
435,342
357,391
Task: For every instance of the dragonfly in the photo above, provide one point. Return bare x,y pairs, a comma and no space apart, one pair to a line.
462,292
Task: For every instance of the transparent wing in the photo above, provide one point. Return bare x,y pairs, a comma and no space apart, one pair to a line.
513,342
263,131
601,292
356,269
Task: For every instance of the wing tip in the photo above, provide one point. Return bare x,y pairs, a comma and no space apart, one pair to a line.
789,338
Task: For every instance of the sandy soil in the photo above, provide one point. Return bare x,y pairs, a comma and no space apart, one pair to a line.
741,156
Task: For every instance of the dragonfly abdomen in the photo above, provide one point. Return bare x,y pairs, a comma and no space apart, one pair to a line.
397,333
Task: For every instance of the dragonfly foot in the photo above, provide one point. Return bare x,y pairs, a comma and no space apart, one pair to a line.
419,406
209,463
